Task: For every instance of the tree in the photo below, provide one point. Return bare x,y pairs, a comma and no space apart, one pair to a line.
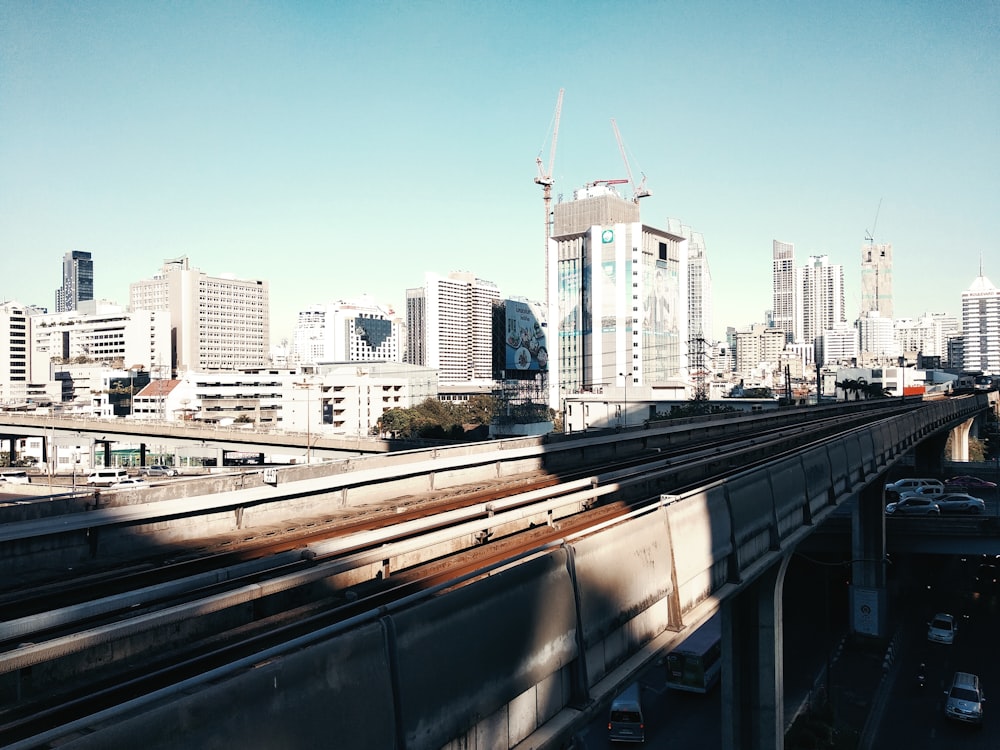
480,409
876,390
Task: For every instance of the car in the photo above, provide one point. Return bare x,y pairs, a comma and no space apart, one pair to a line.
941,628
158,470
895,490
986,580
957,502
913,505
928,490
965,699
15,477
130,483
967,482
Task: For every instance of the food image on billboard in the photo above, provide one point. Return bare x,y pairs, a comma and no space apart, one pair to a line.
526,352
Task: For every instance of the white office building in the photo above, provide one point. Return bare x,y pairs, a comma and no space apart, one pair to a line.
218,322
926,335
449,326
877,342
981,327
617,292
821,298
837,346
15,347
100,332
361,330
759,349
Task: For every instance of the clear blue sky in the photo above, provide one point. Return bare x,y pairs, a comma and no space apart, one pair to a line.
347,147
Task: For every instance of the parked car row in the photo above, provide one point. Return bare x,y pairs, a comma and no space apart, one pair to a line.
920,504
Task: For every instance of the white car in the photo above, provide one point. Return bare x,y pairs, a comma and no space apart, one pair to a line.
927,486
941,629
132,483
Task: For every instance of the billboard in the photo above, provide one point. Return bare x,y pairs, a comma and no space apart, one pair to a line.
520,350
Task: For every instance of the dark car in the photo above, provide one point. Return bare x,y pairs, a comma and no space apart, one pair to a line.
158,470
967,482
958,502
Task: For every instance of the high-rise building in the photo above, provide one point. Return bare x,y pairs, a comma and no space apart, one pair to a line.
699,298
876,339
15,352
981,327
821,298
876,279
759,348
927,335
77,280
837,344
783,288
360,330
449,326
617,297
217,322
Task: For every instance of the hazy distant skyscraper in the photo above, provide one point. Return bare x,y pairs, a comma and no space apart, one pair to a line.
783,289
77,280
876,279
981,326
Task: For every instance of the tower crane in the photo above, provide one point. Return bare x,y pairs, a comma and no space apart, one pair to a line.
546,180
638,191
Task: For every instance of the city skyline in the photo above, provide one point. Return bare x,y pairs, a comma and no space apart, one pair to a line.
348,149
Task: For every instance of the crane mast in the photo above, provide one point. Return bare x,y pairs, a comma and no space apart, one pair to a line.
545,178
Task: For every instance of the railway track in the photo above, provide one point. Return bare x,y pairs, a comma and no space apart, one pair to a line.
172,623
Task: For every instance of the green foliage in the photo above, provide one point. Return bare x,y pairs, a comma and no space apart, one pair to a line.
441,420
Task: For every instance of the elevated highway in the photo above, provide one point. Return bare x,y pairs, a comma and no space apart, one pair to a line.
525,652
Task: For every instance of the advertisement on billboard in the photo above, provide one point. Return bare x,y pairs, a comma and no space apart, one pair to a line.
520,326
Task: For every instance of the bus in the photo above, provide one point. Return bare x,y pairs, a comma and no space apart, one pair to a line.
696,664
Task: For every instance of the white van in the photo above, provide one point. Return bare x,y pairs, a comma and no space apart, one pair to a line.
625,723
106,477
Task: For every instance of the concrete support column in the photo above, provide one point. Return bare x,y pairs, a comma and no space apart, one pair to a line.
11,450
868,574
752,665
960,441
142,454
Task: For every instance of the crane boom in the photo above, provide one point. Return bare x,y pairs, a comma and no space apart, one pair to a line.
638,191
